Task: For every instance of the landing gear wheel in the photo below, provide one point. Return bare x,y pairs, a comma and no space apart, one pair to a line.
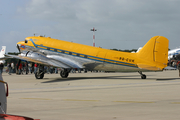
40,72
143,77
39,75
64,74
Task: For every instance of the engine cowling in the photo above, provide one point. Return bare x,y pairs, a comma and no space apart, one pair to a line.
34,55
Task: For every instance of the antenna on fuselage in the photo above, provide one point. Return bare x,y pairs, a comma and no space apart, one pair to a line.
35,34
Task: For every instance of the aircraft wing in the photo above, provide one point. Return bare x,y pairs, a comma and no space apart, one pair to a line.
4,58
170,68
60,63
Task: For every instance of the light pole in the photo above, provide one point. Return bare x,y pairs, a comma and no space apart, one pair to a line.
93,36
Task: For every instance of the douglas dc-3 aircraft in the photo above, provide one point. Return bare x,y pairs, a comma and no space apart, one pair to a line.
67,55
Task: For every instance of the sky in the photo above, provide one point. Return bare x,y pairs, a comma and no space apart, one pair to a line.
120,24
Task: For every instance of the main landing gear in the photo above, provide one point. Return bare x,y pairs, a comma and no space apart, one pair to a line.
17,68
40,72
143,76
64,73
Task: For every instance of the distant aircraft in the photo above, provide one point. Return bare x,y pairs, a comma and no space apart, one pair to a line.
174,53
3,104
137,50
67,55
2,54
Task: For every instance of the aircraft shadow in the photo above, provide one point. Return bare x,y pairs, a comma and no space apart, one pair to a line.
86,78
166,79
128,77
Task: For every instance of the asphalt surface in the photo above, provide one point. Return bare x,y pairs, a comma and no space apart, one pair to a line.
96,96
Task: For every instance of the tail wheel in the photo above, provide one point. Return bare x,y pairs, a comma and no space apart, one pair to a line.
143,77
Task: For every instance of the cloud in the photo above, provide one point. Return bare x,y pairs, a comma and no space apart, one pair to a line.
121,24
104,11
8,40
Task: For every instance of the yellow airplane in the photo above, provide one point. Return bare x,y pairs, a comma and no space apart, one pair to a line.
68,55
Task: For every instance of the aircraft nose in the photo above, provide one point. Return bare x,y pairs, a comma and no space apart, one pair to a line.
20,45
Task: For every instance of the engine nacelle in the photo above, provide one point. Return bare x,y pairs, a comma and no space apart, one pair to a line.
34,55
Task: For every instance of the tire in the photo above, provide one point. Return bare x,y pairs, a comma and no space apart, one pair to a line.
143,77
64,74
39,76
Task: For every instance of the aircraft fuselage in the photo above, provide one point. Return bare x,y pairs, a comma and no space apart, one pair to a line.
82,56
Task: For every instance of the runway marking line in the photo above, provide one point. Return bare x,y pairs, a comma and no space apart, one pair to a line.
98,100
37,98
133,102
111,101
81,100
175,102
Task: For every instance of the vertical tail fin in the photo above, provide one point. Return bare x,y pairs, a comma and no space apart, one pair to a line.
2,51
154,53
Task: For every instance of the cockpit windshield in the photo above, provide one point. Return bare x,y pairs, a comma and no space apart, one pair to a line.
26,41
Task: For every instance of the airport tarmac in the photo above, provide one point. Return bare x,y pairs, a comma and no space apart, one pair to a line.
96,96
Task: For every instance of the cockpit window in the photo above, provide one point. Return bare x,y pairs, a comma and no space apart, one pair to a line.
26,41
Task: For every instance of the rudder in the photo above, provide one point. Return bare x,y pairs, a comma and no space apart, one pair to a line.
2,51
155,51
